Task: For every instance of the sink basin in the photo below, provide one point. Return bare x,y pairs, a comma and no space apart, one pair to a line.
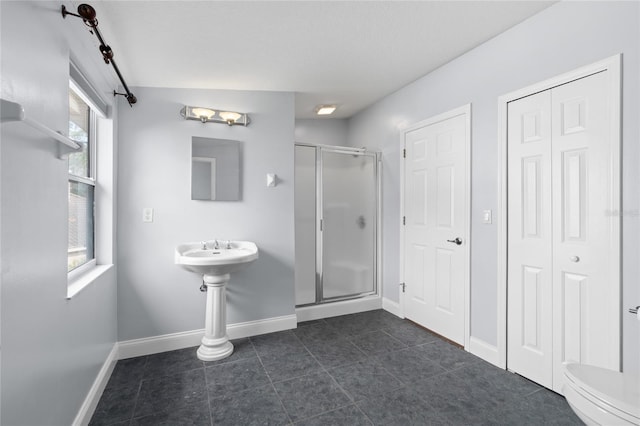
209,261
215,265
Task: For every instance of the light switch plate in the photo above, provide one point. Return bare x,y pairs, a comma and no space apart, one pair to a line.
147,214
486,216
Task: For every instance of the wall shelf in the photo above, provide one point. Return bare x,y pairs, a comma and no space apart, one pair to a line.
12,112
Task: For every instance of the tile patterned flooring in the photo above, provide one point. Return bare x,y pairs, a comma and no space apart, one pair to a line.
360,369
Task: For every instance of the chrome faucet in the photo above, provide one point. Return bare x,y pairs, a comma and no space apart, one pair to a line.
216,245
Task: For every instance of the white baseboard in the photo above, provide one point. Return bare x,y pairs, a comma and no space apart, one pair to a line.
90,403
334,309
484,350
157,344
392,307
186,339
255,328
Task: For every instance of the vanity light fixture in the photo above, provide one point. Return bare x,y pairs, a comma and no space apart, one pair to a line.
325,109
208,115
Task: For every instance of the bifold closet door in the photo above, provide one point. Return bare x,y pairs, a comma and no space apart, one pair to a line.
562,303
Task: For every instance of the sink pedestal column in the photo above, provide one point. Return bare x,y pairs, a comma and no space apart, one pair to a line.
215,343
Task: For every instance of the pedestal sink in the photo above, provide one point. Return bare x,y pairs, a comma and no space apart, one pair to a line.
215,261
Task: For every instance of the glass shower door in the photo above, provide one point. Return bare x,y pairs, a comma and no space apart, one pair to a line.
348,224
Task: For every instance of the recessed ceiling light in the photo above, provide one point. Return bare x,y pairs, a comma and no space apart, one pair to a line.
325,109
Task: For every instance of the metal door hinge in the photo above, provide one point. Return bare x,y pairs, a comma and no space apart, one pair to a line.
404,153
403,285
404,220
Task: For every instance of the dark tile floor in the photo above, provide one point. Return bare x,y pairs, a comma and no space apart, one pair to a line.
361,369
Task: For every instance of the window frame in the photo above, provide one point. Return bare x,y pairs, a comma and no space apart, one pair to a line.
91,180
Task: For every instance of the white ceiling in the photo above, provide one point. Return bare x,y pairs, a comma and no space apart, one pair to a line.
349,53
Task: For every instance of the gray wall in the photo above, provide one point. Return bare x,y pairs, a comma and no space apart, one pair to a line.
52,348
156,297
561,38
322,131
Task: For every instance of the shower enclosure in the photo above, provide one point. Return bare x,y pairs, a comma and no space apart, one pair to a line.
337,220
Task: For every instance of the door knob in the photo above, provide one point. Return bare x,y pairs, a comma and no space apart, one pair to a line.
361,222
574,259
457,241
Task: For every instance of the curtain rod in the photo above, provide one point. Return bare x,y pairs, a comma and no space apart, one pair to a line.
88,15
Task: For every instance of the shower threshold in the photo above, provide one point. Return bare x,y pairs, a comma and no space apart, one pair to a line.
335,308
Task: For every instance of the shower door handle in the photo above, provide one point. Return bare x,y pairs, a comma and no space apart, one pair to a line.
457,241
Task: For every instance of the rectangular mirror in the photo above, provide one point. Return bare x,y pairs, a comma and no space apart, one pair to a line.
215,169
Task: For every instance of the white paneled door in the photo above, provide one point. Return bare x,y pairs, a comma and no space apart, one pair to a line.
562,304
436,223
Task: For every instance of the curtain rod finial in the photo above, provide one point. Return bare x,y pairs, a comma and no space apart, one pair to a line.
130,97
87,12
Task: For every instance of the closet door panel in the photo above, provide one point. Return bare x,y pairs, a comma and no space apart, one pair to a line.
529,238
585,300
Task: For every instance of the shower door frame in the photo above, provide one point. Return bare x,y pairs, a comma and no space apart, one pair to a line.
320,300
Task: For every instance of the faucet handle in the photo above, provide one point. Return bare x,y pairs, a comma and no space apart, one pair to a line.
228,244
204,245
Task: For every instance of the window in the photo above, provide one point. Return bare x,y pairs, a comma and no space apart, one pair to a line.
82,183
91,185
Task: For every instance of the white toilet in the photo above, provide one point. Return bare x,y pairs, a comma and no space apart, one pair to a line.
602,397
